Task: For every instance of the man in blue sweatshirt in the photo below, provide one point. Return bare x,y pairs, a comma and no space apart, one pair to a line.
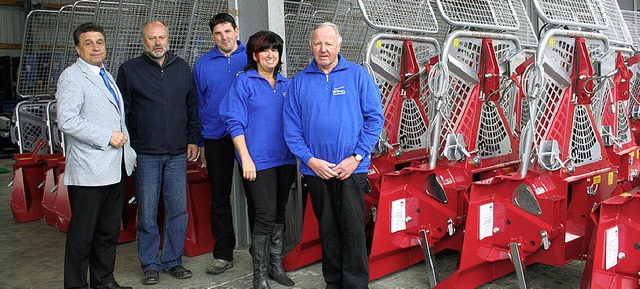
213,74
332,119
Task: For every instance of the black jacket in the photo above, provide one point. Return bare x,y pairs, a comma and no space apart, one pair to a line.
160,104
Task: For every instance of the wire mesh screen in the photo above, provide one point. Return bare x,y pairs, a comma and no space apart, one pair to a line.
125,41
385,62
624,131
201,40
463,64
598,104
508,102
584,147
597,48
31,122
580,13
557,65
492,139
525,33
632,19
616,30
107,14
353,29
59,50
37,47
485,14
443,27
54,133
400,15
300,18
504,50
178,16
599,12
49,47
81,12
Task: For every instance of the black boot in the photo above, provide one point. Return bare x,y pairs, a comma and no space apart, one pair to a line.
275,269
260,249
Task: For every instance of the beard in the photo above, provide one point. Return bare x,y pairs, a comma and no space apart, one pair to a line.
155,54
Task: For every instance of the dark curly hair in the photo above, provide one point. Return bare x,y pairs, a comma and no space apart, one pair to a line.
261,41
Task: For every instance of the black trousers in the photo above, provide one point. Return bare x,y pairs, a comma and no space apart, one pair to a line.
339,207
268,195
92,235
220,155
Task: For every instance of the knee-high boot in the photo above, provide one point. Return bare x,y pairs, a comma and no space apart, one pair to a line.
260,252
276,249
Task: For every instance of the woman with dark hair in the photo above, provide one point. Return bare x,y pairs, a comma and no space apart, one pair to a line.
252,111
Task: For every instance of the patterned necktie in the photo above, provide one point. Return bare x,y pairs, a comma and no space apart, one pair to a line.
103,73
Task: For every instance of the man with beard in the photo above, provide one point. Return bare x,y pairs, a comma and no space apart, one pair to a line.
162,114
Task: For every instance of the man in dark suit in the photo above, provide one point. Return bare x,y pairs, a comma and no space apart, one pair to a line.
91,115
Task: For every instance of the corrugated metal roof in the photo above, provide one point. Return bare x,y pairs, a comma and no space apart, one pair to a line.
12,22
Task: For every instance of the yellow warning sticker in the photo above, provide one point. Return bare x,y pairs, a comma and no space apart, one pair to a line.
378,43
611,178
456,42
597,180
551,41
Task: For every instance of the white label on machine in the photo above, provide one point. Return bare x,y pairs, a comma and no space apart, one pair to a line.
611,257
486,221
398,215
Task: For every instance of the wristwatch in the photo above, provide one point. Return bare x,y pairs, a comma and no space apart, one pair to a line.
357,157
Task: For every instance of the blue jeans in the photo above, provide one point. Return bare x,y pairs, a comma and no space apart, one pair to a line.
170,171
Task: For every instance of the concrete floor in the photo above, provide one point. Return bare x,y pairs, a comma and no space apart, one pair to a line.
31,256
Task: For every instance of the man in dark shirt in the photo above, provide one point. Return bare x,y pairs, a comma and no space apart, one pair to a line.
162,112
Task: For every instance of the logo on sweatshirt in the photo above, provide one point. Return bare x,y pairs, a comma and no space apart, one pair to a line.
339,91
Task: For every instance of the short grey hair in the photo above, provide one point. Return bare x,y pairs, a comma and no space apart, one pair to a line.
326,24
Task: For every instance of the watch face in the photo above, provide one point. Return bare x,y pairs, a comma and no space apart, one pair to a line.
358,157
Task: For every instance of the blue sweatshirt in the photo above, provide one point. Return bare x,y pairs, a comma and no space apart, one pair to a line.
213,75
332,116
254,109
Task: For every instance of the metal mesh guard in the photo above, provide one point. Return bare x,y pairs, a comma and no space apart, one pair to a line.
492,139
37,47
584,147
33,124
632,18
486,14
526,34
624,131
580,13
400,15
617,30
